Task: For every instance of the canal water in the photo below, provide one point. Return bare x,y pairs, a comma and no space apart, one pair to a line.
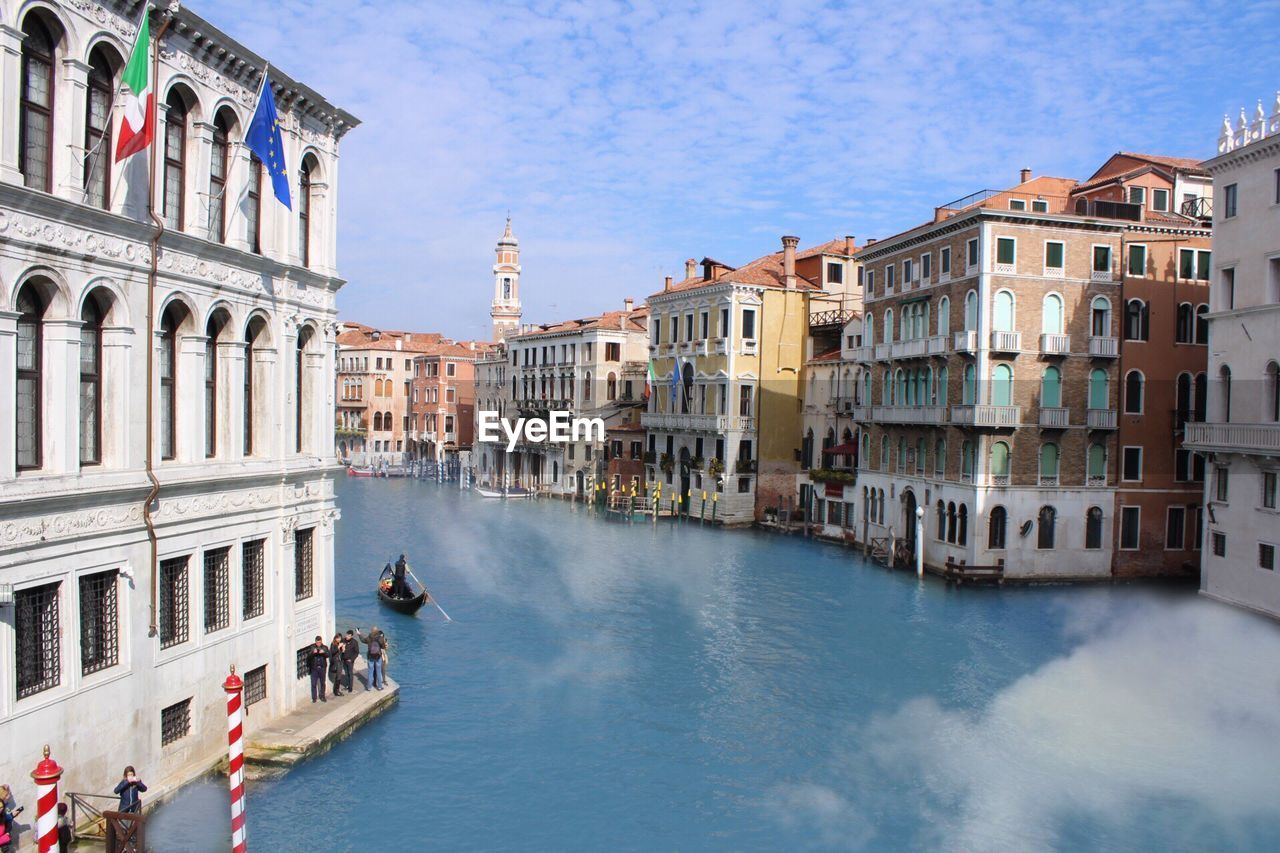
628,687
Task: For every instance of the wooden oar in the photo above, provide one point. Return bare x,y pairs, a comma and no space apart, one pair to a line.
428,592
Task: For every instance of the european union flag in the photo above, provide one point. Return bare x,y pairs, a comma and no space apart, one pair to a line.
263,139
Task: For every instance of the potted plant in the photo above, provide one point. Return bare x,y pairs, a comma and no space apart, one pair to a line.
716,468
696,463
667,463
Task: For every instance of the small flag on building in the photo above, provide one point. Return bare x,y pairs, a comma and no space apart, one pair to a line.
648,381
263,139
138,126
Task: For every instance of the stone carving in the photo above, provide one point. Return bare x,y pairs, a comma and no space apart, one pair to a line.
206,75
98,13
61,236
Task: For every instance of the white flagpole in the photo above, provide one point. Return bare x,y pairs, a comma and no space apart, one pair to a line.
91,156
244,192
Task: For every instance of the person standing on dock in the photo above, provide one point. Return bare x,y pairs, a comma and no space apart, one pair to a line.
335,664
317,660
350,651
130,790
375,643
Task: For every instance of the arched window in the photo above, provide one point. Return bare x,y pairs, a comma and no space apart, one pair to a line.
1137,318
966,461
219,166
1201,397
939,458
1099,393
1185,331
1002,385
888,325
211,378
996,526
865,461
30,372
255,335
880,505
377,421
611,386
302,392
1047,520
886,389
35,117
168,371
1224,383
962,525
943,376
1133,388
1183,397
304,210
91,317
1048,463
1272,391
253,205
1051,388
971,311
1202,324
920,456
902,454
951,521
1051,319
866,389
941,510
944,316
175,160
900,395
1002,319
1093,528
884,453
1000,463
586,391
969,392
1100,317
97,130
869,329
1097,464
806,450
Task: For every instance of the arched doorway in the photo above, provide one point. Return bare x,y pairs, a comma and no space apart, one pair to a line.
909,520
581,484
684,480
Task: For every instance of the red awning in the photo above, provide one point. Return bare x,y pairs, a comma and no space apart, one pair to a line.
842,449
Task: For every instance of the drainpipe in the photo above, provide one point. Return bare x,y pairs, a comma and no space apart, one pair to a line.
147,519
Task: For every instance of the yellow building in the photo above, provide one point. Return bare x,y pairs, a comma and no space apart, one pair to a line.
727,347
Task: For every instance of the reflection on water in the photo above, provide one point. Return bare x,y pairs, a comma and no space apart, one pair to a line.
607,685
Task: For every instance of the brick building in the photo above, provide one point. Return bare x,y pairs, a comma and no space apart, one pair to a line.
442,404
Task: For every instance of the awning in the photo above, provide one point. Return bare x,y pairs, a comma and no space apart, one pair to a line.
848,449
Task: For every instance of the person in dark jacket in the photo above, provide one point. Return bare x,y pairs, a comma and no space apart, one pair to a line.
64,829
129,789
335,664
350,651
317,661
375,643
399,585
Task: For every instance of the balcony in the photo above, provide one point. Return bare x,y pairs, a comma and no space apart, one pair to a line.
1055,344
861,353
910,349
909,414
1103,276
450,436
997,417
965,342
1104,347
1102,419
1257,439
938,345
1006,341
1054,417
856,411
696,423
883,352
749,346
720,346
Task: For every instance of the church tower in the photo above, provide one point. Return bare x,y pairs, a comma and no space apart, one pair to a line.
505,309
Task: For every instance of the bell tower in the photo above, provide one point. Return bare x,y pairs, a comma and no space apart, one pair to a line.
505,309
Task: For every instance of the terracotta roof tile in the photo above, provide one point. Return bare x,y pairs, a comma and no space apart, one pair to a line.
762,272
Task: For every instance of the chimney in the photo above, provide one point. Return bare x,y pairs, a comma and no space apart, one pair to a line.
871,241
627,304
408,337
690,267
666,284
789,261
848,244
1025,175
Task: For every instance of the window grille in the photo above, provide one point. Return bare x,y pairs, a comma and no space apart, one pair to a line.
99,621
217,589
252,577
174,602
39,658
302,564
255,685
175,722
303,669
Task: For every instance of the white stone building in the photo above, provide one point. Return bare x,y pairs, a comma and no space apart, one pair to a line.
1242,434
115,644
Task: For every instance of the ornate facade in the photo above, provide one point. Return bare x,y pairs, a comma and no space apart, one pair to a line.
100,629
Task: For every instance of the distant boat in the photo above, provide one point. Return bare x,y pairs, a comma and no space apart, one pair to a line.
357,471
513,493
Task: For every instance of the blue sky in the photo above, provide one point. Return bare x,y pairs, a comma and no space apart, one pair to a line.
625,137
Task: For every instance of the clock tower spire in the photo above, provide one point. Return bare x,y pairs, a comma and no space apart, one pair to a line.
505,309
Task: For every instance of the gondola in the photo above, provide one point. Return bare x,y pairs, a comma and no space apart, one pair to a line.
409,605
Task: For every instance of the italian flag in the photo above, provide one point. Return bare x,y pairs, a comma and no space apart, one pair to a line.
139,124
648,381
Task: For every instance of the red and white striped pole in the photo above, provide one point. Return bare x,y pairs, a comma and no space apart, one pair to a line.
235,759
46,776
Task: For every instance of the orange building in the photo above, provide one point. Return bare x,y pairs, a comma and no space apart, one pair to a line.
442,407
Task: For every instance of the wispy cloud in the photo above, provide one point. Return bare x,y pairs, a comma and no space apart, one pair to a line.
627,136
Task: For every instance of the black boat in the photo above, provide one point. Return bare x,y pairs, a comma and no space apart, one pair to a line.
404,604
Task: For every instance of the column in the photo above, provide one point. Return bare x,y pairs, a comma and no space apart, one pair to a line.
189,379
68,130
10,96
8,383
60,421
267,398
231,367
199,155
123,428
